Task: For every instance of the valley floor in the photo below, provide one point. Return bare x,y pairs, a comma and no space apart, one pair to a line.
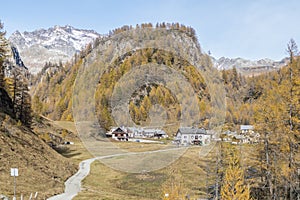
193,172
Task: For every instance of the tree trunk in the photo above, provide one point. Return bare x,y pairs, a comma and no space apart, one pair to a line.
268,171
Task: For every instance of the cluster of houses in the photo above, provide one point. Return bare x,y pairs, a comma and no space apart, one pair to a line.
187,135
246,135
125,133
184,136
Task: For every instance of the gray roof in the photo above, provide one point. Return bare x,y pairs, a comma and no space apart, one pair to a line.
191,130
139,130
247,127
150,130
121,128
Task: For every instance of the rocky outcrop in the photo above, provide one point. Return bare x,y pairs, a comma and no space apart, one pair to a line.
6,104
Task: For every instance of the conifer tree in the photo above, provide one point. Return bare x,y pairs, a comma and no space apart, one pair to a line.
233,186
25,105
269,115
292,49
17,87
291,96
277,119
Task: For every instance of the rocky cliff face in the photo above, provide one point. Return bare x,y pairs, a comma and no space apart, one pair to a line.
14,60
6,105
50,45
17,60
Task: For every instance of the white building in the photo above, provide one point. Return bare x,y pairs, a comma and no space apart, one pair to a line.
191,135
246,129
120,134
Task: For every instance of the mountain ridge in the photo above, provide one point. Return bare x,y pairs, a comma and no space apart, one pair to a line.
60,43
224,63
55,44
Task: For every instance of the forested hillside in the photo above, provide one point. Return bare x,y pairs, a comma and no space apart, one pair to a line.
271,102
53,93
141,102
52,88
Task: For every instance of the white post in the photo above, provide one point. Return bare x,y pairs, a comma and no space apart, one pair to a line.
15,188
36,194
14,172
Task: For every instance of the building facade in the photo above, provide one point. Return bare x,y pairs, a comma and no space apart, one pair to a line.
125,133
193,136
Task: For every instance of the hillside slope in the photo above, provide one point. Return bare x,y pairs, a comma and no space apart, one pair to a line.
41,169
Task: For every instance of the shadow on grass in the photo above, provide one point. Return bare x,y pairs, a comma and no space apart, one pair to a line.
145,185
66,151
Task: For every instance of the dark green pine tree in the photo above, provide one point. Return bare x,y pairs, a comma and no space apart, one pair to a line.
25,105
21,98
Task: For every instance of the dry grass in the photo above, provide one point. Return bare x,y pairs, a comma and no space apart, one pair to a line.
195,172
139,147
41,169
66,125
106,183
77,152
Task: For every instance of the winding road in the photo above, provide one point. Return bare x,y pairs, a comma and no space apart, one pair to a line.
73,184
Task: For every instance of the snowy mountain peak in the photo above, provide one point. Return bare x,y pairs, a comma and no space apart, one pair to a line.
58,43
240,63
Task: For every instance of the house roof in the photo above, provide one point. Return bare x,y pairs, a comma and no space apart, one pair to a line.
246,127
119,129
134,129
191,130
150,130
154,131
161,132
137,130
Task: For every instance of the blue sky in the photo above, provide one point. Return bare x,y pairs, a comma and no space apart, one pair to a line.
252,29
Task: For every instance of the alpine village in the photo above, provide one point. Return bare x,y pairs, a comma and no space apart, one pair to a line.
242,144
